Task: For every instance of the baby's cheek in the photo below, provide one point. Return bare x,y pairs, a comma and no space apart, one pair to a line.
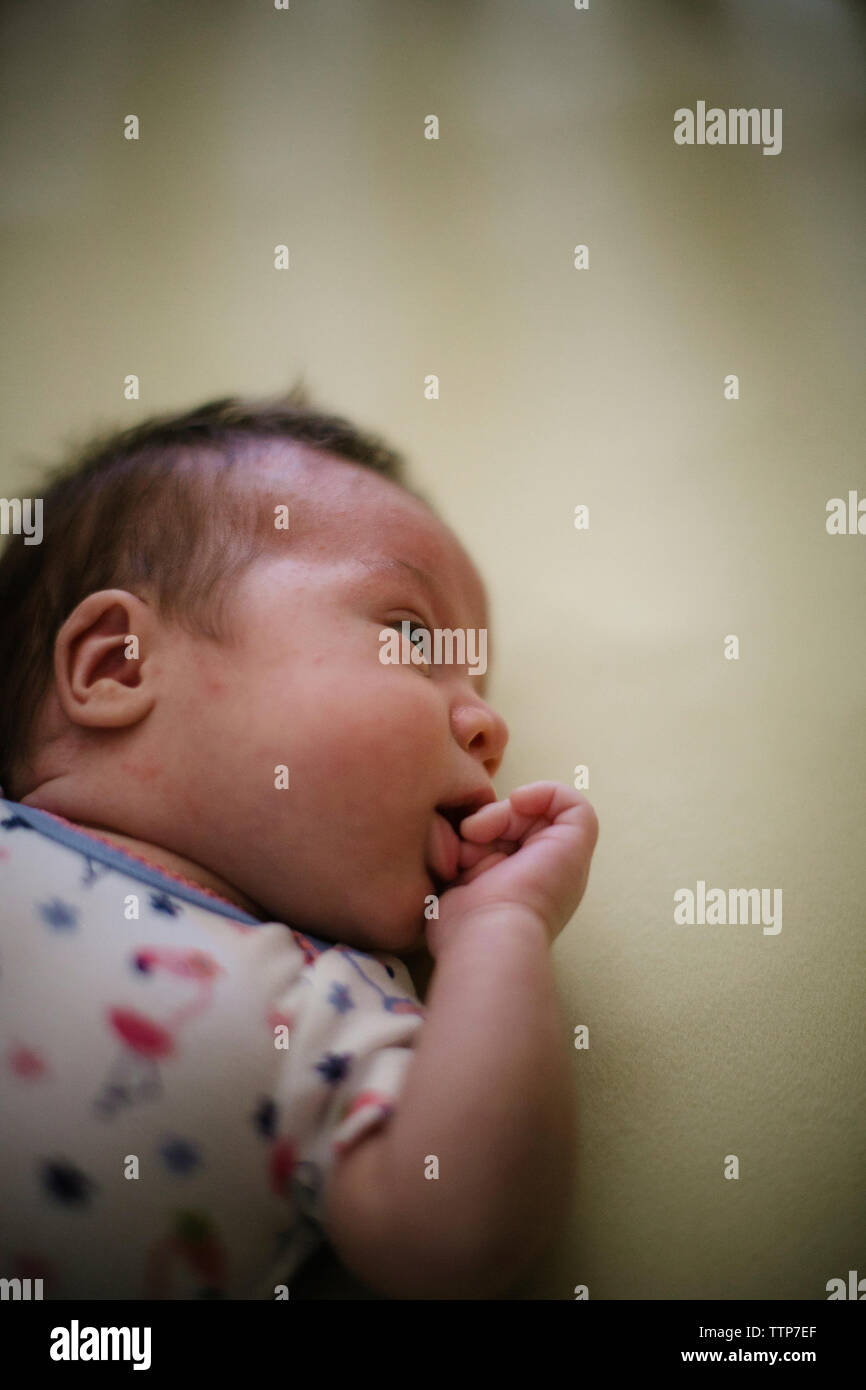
419,714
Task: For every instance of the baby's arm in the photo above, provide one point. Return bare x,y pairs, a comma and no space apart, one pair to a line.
489,1093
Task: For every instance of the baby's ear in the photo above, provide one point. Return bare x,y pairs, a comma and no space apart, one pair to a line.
99,660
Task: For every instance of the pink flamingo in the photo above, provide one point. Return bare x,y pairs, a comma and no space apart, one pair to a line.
147,1041
193,1244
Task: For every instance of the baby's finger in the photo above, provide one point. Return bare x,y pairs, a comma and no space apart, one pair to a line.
469,855
500,820
549,800
487,823
481,867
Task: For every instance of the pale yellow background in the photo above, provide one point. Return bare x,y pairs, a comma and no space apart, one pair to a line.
604,387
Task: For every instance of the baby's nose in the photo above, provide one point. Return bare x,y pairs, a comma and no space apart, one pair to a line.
481,731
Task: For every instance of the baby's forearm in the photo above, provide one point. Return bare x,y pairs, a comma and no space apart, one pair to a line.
490,1097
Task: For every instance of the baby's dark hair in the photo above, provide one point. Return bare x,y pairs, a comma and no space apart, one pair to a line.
154,509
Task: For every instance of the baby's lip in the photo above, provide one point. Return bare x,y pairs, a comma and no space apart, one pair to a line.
443,849
443,845
457,808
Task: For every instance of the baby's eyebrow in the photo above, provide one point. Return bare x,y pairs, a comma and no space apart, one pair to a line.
391,565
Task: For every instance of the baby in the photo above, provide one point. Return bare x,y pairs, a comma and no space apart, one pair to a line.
227,818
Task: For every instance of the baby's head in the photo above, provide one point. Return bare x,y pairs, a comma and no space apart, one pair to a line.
257,647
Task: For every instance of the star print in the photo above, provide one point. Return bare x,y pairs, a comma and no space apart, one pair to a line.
25,1062
67,1183
335,1066
58,914
265,1118
340,997
179,1155
161,902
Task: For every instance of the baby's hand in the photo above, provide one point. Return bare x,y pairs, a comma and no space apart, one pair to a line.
531,851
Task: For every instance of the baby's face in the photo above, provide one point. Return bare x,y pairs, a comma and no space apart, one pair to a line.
353,847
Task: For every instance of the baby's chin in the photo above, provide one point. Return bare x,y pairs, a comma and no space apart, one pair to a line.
400,933
390,919
396,940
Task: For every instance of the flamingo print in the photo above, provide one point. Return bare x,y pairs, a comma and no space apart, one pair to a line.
147,1041
393,1003
191,1244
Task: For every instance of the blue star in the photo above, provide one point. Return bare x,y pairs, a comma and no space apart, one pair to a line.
58,914
265,1118
340,997
334,1066
66,1182
179,1155
161,902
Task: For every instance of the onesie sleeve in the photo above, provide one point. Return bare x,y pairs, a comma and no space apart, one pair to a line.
353,1020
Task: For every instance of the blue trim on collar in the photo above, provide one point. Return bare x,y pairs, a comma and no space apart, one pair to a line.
118,859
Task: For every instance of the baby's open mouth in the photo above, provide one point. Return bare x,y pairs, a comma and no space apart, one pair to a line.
443,842
454,815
